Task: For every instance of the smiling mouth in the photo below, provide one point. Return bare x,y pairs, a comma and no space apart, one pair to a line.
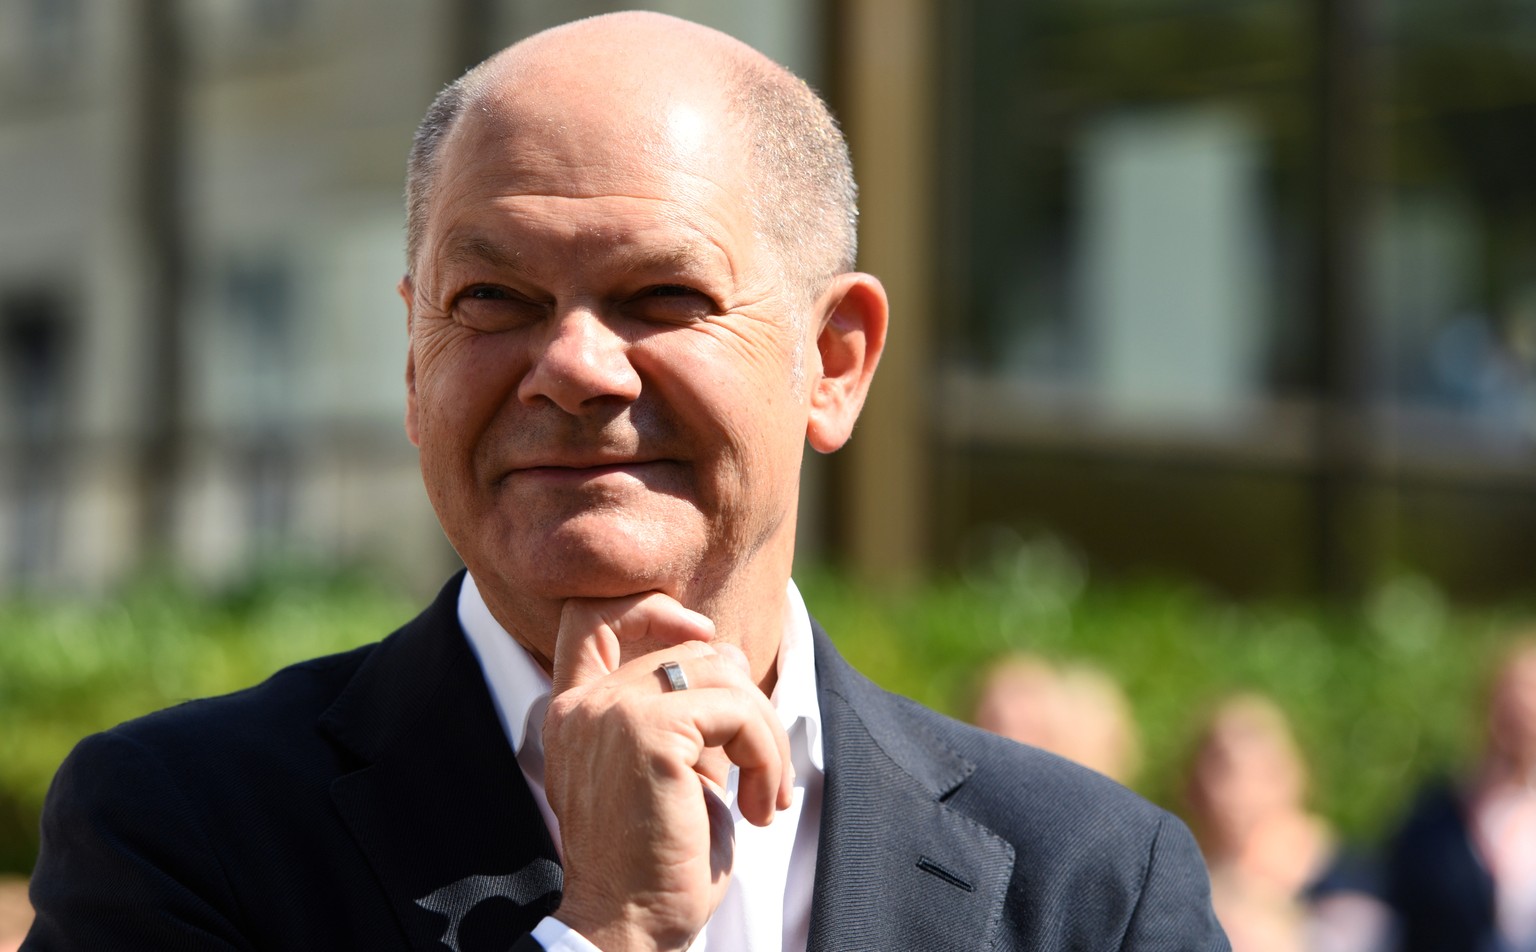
597,469
638,469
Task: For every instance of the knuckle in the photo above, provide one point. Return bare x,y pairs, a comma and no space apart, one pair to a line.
560,708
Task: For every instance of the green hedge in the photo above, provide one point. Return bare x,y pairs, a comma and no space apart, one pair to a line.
1380,697
68,668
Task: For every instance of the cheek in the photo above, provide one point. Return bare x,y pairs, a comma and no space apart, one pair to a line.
757,347
750,434
738,400
461,385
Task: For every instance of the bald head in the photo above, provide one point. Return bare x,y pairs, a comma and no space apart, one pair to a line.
664,84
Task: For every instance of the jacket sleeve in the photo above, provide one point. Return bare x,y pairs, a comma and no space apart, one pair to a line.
1173,912
124,864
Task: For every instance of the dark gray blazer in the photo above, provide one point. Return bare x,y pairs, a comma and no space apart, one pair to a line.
369,801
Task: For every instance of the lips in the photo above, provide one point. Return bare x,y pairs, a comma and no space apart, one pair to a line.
583,463
596,461
582,471
594,469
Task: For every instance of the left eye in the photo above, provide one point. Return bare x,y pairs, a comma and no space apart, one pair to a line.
670,304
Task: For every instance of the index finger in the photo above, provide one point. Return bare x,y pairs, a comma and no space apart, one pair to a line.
594,633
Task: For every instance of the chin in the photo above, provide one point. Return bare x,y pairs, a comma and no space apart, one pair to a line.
609,561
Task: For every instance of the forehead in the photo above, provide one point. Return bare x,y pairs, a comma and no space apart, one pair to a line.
598,167
570,138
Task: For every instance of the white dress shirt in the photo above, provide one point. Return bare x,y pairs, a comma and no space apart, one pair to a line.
767,907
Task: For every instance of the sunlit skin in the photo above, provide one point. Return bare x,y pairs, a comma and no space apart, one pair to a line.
611,384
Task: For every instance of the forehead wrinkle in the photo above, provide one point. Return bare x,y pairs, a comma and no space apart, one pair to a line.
501,156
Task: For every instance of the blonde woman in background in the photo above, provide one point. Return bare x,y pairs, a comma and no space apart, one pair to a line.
1267,853
1072,710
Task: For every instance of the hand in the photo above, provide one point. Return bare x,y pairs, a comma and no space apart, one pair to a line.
632,769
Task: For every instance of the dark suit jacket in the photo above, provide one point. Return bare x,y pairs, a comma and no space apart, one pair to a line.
1441,891
369,800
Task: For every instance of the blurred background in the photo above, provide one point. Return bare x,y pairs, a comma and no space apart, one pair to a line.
1212,361
1239,291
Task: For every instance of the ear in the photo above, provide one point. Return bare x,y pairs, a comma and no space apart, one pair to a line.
407,294
854,312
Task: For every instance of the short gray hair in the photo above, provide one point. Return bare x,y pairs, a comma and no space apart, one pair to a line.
426,151
805,199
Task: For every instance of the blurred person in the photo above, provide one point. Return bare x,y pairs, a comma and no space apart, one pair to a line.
630,303
1072,710
1277,882
1462,868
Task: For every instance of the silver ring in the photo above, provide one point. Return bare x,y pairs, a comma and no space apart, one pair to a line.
676,680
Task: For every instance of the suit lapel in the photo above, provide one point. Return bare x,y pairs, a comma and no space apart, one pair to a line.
437,803
440,809
896,868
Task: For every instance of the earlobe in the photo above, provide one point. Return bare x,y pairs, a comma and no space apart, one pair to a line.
854,315
404,289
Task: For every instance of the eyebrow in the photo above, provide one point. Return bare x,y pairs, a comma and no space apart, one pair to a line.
680,258
474,249
477,249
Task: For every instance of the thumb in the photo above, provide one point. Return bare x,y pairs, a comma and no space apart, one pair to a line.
597,634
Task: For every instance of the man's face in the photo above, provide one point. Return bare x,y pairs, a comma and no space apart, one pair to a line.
604,380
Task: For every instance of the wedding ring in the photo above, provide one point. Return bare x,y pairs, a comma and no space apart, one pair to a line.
676,680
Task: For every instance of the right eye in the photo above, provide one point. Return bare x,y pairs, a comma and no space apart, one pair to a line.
490,307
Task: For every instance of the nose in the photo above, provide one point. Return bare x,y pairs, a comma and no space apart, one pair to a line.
581,362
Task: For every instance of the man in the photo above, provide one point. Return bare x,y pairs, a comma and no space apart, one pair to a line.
1461,870
631,301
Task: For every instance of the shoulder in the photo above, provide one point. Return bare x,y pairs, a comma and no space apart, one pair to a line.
165,825
1094,865
1432,838
1026,794
148,827
244,740
299,690
1437,806
282,721
1040,801
1078,833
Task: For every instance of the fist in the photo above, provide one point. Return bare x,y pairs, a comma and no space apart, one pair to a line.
633,769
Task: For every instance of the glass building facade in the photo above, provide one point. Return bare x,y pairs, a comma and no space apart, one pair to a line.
1243,289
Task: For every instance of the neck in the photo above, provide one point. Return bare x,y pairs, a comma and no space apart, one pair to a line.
752,614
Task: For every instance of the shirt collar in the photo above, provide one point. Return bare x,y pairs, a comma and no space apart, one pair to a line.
517,683
515,679
794,693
